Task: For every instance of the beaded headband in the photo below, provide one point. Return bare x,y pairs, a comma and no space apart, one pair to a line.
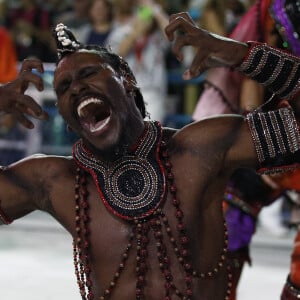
286,14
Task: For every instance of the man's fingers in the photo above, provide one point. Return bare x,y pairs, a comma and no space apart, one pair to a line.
23,120
198,64
28,77
30,64
180,22
197,68
27,105
180,42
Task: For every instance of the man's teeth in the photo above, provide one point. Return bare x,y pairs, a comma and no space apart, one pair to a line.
85,103
98,126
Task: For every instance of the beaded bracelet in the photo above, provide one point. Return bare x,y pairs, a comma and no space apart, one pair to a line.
275,69
290,291
276,139
4,219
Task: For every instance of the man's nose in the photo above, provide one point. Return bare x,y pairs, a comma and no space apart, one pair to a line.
77,86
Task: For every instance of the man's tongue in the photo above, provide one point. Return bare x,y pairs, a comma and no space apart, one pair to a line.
94,126
94,115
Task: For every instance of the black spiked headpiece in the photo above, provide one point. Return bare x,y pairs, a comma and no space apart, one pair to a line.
65,40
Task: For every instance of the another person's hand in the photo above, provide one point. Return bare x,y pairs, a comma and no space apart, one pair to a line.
12,95
210,50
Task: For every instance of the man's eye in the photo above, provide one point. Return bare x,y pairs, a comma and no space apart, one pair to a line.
88,72
62,88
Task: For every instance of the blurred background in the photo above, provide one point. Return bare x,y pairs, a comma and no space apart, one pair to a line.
35,252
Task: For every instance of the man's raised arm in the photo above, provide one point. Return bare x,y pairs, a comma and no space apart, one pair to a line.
277,70
13,100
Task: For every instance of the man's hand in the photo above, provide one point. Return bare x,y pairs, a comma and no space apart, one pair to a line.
210,50
14,101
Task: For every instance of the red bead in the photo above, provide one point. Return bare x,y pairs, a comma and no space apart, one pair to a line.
85,218
84,204
144,253
84,193
91,296
189,292
168,165
89,283
138,292
168,285
167,260
141,279
184,252
184,240
188,279
175,202
170,176
179,214
173,189
180,227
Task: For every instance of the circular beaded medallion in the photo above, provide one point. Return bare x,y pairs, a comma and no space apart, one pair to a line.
131,187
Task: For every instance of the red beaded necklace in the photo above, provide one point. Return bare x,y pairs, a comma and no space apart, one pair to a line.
150,219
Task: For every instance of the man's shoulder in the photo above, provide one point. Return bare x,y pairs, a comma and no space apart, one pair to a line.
40,157
44,164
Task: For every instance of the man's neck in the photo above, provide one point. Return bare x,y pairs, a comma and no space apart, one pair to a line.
126,145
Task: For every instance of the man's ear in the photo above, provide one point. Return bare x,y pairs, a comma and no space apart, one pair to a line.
69,128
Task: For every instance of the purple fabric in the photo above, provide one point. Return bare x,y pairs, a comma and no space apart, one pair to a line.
283,20
241,228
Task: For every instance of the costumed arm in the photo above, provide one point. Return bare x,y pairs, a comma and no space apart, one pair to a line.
277,70
15,193
274,134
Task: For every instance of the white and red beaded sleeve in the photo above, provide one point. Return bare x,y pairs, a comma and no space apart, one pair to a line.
277,70
276,139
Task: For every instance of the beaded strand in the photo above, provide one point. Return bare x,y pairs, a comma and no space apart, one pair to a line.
81,243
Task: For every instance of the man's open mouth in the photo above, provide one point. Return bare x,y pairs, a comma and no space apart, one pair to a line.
93,114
